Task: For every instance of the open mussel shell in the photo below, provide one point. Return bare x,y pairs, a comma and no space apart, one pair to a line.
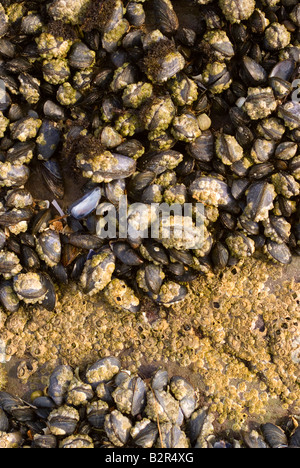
87,204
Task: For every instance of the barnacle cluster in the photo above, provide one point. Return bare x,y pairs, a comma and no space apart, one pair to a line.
115,99
241,352
107,406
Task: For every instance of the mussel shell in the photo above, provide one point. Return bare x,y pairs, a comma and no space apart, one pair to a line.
144,433
62,425
295,438
96,412
49,247
8,402
283,70
40,221
49,300
220,255
4,422
23,413
254,440
153,278
166,17
50,136
15,216
86,205
167,299
202,148
274,435
59,382
53,177
27,288
102,371
253,72
156,252
117,428
260,197
8,297
279,252
29,258
158,162
85,241
126,254
44,441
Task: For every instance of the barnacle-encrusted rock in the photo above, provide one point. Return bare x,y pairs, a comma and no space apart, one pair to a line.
97,272
260,103
135,94
236,11
69,11
228,149
56,71
50,46
67,95
218,45
25,129
277,36
181,233
117,428
3,124
119,295
30,287
9,264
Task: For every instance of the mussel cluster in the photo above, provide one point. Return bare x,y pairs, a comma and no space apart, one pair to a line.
108,407
123,95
